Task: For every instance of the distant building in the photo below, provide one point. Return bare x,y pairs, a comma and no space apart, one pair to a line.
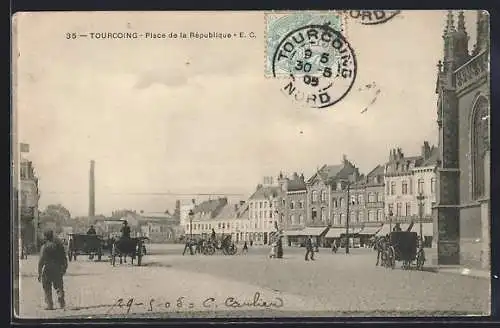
292,208
462,211
326,198
29,197
262,212
406,179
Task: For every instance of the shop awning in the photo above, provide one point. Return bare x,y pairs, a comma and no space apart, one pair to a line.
427,228
335,232
293,233
313,231
384,230
370,230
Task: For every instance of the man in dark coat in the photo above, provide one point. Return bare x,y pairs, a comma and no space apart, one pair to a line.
51,268
309,249
91,231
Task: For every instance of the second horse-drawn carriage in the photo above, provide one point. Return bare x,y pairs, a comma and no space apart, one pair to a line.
82,244
404,246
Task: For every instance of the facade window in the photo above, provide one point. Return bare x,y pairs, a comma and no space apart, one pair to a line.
260,204
283,202
354,217
480,145
380,215
227,225
393,188
353,199
371,198
421,185
292,218
433,185
301,219
408,209
341,219
301,204
323,214
372,216
291,205
223,225
314,196
398,209
281,218
390,209
323,196
314,214
342,202
359,217
380,197
360,199
404,188
218,225
265,204
339,186
387,189
270,204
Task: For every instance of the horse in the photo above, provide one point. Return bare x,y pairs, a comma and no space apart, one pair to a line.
127,247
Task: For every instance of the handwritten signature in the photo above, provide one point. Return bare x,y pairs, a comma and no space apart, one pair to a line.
182,303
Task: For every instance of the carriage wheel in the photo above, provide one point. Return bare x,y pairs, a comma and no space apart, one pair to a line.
233,250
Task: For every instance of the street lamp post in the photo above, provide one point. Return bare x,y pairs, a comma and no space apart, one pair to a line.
191,215
390,220
420,199
347,219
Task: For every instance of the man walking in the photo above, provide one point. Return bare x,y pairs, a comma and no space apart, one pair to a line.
309,249
51,268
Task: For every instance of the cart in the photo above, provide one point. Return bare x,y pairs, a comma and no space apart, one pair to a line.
81,244
406,247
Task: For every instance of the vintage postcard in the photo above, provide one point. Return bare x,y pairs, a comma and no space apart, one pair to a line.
251,164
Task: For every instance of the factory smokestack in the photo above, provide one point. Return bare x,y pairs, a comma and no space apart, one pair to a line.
92,190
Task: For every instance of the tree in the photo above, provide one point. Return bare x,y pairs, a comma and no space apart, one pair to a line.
57,213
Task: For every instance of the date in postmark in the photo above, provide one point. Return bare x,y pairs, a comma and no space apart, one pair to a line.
319,63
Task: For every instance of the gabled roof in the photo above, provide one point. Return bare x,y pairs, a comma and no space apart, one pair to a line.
296,185
378,170
210,206
229,211
265,192
327,172
432,160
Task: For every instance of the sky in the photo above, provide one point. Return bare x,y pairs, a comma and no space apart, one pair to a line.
200,116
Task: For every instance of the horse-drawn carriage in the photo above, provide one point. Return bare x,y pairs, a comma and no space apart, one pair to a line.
81,244
404,246
133,247
209,247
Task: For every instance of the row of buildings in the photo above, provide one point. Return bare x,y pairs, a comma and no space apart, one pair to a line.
400,191
448,186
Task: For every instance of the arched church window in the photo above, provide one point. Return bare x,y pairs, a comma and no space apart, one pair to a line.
480,144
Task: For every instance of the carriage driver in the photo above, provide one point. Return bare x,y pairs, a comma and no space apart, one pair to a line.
91,231
125,237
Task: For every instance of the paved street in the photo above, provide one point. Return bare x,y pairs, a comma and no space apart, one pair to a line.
333,285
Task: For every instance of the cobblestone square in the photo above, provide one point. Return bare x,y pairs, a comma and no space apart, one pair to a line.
171,285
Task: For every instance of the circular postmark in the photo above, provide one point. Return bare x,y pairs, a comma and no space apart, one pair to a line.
319,63
372,17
